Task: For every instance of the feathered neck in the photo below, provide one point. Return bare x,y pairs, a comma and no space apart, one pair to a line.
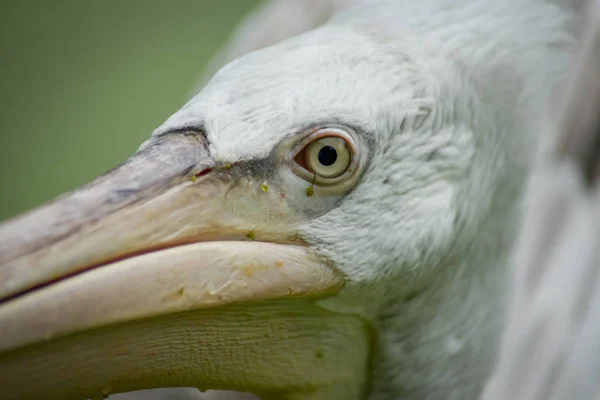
438,333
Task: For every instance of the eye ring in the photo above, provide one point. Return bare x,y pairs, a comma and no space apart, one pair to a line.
341,167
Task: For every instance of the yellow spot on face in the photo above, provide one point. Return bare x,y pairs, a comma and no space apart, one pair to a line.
264,187
250,235
194,179
279,264
227,166
310,191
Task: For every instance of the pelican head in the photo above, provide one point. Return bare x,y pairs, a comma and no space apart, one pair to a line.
330,217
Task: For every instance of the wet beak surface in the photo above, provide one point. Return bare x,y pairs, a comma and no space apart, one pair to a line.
163,273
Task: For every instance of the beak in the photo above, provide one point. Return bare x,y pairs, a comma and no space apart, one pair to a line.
171,270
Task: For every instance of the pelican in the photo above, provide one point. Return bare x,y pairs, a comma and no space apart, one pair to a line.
330,217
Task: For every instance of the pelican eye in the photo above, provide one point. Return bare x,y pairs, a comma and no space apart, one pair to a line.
326,157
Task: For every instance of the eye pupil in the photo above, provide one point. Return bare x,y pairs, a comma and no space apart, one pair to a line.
327,155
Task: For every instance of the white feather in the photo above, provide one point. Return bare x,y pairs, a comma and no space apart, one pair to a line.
449,96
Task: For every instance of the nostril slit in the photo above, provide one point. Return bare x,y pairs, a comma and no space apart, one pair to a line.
203,172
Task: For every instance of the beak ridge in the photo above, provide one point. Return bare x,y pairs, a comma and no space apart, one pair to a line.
30,243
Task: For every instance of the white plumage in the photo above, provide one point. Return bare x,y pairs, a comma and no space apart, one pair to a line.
446,101
451,95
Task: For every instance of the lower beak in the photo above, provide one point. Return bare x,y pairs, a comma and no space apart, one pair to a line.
169,271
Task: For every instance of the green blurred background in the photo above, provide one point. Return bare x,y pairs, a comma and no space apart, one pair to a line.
83,83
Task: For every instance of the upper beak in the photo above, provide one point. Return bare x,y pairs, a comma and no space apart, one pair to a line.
170,270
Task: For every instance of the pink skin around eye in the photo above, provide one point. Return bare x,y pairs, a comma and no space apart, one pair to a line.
202,173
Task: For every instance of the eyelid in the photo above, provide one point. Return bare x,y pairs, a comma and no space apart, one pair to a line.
326,132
